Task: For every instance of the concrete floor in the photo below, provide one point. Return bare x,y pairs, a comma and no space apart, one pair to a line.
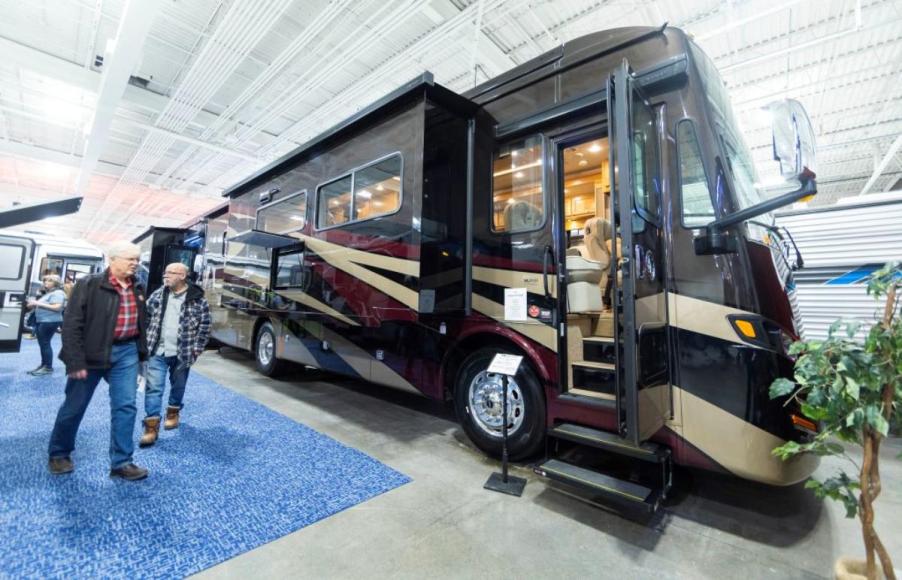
444,525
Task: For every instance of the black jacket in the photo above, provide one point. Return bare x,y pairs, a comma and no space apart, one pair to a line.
90,322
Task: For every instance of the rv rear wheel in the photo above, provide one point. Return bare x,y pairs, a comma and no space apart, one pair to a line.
478,401
265,352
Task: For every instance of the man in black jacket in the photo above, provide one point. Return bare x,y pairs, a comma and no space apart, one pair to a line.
103,338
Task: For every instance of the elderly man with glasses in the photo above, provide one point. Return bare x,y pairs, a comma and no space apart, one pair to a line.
177,331
103,338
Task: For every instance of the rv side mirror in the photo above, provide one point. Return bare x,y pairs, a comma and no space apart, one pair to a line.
792,137
714,240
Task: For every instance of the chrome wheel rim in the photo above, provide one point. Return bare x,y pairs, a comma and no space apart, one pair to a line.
484,397
265,347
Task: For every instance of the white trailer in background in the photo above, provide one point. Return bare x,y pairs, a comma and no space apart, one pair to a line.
67,258
841,246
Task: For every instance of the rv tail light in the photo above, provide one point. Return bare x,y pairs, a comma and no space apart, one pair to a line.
745,328
803,424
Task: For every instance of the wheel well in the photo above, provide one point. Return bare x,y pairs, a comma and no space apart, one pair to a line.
468,346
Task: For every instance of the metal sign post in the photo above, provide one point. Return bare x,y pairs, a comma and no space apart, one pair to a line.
506,365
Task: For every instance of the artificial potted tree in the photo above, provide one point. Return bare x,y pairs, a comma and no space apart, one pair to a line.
853,390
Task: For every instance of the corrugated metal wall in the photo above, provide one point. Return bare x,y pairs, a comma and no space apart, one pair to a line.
835,242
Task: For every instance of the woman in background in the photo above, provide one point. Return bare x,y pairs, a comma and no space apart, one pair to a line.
48,313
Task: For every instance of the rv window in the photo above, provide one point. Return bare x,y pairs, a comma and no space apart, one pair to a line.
697,208
334,201
12,260
377,188
51,266
290,270
644,153
518,203
285,215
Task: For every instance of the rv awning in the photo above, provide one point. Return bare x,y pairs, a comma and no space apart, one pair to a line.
264,239
24,214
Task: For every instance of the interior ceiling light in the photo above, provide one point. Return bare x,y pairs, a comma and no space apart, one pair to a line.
365,194
583,162
518,174
595,147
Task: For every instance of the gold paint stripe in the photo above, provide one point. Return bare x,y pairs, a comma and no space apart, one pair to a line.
329,252
310,301
704,317
366,365
244,298
541,333
739,446
532,281
345,259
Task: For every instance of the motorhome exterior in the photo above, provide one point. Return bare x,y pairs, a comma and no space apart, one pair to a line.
161,246
587,210
25,258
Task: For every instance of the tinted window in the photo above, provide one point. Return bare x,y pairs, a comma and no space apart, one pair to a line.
377,188
518,203
644,159
697,207
290,270
334,202
284,215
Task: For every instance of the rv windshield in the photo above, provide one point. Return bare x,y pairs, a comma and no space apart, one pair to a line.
735,151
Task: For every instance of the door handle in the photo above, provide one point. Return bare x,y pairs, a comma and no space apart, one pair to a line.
547,252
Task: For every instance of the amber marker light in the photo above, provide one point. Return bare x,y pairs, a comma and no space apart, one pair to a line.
746,328
804,424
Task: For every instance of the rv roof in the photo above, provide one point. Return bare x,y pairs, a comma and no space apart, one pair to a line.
423,85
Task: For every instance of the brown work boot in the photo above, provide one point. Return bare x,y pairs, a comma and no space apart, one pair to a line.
172,418
130,472
60,465
151,431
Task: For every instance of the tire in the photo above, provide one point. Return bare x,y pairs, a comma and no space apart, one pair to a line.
477,401
265,352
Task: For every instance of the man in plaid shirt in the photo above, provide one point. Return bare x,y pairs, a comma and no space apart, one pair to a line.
177,331
103,338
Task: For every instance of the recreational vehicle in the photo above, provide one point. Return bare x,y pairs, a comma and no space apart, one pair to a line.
592,210
161,246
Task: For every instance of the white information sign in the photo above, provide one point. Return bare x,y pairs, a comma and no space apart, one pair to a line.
515,304
505,364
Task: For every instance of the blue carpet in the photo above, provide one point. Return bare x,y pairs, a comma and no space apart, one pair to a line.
234,476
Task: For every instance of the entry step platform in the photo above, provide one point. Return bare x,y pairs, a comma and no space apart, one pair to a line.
599,487
646,451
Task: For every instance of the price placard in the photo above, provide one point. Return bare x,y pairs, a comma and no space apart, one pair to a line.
505,364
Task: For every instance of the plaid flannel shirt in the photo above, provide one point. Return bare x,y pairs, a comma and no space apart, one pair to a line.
127,319
194,324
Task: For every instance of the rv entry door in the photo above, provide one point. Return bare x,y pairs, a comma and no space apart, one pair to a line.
640,316
15,266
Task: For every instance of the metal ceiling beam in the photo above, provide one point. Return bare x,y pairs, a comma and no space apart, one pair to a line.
71,73
878,171
118,64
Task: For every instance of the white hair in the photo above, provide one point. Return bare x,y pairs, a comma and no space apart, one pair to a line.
184,268
120,249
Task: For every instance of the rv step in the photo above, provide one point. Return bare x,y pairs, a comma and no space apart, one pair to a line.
594,376
646,451
599,349
603,488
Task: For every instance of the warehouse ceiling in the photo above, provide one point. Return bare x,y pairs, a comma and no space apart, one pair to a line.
149,108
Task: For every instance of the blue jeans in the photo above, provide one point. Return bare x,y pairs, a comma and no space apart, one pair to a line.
45,331
156,382
122,376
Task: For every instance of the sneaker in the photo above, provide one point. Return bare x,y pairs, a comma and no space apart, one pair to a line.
34,370
129,472
60,465
41,371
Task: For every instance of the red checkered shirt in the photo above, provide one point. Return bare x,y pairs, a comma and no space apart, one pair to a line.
127,320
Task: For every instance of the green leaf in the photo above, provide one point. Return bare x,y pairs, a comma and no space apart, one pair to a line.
876,419
852,388
781,387
833,328
798,348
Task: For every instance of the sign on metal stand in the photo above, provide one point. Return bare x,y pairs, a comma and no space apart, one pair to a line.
505,365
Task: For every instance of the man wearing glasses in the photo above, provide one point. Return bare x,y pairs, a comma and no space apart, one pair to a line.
103,338
178,328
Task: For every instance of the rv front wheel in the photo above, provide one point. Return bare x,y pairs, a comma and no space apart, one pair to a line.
478,402
265,351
